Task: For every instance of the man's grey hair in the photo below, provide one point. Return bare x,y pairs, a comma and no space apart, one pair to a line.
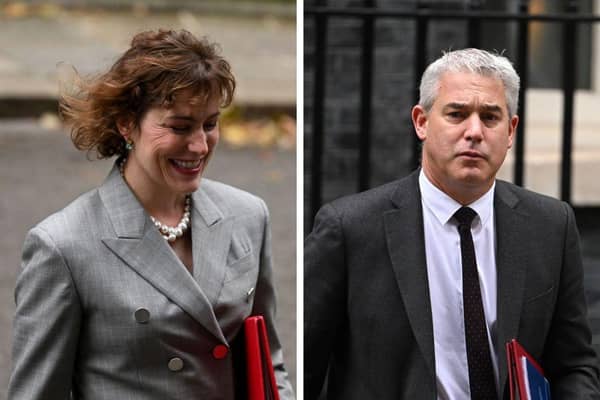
477,61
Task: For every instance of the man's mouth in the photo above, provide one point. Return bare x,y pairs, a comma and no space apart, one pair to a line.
471,154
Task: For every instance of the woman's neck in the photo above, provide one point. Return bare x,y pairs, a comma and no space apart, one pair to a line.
158,201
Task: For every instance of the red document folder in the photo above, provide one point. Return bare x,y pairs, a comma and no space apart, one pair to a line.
259,368
525,376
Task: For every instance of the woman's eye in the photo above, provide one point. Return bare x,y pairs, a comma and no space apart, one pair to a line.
209,126
180,129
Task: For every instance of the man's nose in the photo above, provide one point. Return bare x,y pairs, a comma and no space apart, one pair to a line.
474,128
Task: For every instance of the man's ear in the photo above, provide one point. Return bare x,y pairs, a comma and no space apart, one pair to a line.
512,130
419,119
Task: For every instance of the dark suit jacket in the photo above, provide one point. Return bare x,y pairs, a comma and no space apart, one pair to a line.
368,323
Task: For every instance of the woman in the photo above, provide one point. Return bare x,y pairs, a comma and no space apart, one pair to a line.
137,289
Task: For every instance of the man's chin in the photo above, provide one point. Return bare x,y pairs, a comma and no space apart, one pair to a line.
475,177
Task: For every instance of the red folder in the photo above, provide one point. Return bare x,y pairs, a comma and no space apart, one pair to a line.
259,368
525,376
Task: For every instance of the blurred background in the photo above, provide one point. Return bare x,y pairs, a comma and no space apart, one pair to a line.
40,171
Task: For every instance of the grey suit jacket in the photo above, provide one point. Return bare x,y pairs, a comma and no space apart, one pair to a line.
367,307
89,267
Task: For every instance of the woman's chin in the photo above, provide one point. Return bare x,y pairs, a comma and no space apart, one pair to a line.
186,182
181,186
190,187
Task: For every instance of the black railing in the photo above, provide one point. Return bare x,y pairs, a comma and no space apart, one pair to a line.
422,18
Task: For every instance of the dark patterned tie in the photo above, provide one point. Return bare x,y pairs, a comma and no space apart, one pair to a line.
481,373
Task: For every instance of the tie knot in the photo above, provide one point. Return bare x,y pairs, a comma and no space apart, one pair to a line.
465,216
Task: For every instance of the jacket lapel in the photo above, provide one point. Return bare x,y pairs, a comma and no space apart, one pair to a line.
142,248
406,246
211,234
511,263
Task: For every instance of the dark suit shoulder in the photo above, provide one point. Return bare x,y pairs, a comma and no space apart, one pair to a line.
378,199
529,202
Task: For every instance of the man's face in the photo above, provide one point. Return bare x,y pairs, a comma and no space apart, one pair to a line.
465,135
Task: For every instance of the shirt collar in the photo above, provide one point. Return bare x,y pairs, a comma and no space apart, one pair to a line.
443,206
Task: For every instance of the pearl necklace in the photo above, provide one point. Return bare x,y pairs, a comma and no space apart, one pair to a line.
168,233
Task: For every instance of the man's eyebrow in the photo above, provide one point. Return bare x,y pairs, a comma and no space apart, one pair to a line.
483,107
455,105
491,108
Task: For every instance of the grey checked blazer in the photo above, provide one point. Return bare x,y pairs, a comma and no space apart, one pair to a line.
88,268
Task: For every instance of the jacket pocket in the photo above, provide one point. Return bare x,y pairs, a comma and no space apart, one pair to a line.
239,267
540,295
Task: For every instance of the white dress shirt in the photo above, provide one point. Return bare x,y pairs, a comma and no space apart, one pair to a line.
444,271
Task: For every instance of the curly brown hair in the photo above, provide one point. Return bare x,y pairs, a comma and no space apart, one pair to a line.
157,65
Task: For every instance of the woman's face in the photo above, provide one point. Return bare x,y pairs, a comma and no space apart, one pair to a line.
172,146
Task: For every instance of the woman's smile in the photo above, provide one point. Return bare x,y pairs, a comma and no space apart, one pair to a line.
187,167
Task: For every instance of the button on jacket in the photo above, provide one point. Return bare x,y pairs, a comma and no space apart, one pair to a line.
106,310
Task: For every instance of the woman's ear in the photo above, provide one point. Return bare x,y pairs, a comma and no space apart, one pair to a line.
125,127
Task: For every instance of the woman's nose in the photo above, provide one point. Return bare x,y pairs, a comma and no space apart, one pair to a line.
198,142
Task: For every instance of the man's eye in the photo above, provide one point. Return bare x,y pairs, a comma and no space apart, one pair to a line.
455,114
490,117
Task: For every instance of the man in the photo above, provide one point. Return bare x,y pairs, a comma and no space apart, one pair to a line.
413,289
